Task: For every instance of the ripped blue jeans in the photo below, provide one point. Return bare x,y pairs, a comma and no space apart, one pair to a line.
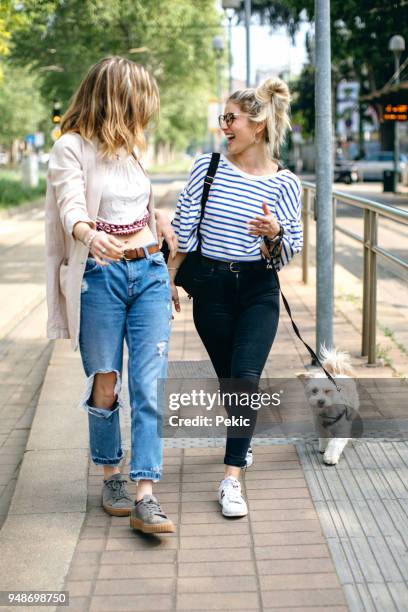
126,301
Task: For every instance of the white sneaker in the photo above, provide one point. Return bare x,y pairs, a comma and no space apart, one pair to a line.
249,458
230,497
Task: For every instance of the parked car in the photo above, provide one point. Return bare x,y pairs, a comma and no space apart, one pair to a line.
345,172
371,167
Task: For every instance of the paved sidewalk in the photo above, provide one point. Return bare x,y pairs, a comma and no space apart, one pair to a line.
24,349
317,538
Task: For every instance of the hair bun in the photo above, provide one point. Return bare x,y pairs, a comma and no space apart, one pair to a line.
272,88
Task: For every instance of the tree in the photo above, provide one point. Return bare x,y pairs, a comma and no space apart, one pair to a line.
360,31
172,38
21,107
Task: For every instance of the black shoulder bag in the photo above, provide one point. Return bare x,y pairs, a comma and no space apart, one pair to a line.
188,269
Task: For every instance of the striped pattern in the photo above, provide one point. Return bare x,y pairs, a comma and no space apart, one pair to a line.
234,199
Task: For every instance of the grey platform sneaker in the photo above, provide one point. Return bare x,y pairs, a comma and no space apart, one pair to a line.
147,516
115,498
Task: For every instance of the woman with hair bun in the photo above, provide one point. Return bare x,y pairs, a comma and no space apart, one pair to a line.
107,281
254,204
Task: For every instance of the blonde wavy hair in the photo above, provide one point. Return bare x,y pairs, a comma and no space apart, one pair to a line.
269,103
115,102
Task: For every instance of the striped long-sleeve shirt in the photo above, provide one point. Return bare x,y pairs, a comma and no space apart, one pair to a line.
236,197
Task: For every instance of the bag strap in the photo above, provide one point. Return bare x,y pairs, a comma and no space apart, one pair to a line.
296,329
208,181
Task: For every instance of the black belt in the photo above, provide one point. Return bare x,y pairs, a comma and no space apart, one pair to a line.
234,266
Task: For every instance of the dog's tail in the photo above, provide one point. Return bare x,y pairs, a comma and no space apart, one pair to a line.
336,362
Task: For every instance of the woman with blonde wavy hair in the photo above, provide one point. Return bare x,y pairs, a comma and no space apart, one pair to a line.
107,281
251,221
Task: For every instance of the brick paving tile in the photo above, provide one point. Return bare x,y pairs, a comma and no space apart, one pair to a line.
303,598
281,504
276,483
278,493
303,551
212,518
140,542
196,555
78,588
308,609
83,572
272,526
217,601
146,586
298,581
135,603
78,604
257,476
202,507
231,527
288,515
94,545
217,584
295,566
146,556
162,570
207,485
84,558
198,496
288,538
217,568
225,541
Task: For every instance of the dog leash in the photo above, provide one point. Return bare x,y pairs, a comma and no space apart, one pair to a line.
315,358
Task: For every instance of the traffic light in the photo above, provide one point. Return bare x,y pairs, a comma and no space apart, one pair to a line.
56,112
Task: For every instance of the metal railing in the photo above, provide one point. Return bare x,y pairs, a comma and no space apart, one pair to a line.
371,250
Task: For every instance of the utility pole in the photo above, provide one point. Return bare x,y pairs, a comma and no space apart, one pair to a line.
324,178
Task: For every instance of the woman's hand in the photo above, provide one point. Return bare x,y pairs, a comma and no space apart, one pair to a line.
165,231
268,225
105,247
175,296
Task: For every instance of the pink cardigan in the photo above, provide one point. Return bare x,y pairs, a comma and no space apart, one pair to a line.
74,185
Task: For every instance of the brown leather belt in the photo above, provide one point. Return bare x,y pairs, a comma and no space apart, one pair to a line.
139,252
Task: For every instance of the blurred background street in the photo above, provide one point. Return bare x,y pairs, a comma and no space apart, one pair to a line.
319,539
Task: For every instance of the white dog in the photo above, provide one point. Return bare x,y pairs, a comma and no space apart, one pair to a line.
335,412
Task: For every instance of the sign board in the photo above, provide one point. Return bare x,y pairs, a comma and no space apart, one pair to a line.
347,108
395,112
30,139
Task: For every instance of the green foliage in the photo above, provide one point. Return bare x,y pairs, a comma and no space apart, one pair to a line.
303,104
172,38
360,32
21,107
12,192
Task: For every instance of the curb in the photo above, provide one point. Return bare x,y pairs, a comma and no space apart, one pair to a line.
50,497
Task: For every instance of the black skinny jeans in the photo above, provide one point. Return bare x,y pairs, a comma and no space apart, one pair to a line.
236,315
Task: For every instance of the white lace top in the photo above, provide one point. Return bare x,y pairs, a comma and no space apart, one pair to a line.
125,193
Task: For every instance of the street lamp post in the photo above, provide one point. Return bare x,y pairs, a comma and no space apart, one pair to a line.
397,46
229,7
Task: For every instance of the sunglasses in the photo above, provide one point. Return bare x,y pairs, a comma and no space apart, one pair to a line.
228,119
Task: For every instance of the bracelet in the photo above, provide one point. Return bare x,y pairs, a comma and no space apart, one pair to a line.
173,268
91,237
